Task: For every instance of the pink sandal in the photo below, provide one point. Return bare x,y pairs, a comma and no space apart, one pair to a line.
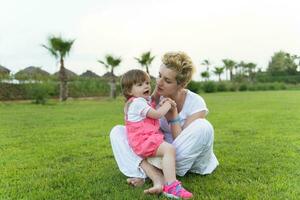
176,191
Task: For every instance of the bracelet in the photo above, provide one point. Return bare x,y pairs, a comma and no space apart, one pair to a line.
175,120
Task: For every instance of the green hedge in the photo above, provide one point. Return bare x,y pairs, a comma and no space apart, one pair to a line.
267,78
211,86
40,91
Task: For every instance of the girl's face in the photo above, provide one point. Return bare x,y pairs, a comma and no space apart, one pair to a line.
141,89
166,83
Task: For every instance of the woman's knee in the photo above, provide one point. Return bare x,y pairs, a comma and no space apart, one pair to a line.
117,132
168,148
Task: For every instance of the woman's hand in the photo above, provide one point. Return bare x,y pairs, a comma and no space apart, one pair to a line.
173,112
172,102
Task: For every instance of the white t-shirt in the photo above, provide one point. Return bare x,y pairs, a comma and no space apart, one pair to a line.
138,109
193,103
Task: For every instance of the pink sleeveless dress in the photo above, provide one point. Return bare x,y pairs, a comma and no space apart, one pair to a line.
144,136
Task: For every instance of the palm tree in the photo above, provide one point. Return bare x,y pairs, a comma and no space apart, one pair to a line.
60,48
241,65
207,64
250,67
218,71
205,75
229,65
145,60
110,63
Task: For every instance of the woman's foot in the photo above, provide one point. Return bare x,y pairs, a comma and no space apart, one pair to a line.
156,189
136,182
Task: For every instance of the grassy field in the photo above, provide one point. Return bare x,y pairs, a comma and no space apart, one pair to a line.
62,150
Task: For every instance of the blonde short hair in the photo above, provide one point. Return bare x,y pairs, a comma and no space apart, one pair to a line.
182,64
130,78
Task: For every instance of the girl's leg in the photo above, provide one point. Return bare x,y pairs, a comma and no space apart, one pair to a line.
167,151
155,175
129,163
172,188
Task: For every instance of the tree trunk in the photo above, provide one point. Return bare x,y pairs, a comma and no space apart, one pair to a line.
147,70
231,75
112,85
63,93
226,74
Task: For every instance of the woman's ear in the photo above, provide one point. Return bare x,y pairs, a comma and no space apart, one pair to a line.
181,86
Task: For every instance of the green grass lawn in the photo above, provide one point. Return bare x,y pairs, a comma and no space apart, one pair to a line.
62,150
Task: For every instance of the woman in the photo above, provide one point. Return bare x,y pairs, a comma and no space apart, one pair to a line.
184,126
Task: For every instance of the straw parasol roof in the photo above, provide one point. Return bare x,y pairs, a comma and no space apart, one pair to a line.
4,70
69,73
109,75
31,72
89,74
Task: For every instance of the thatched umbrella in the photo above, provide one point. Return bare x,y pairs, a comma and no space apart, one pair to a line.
89,74
32,73
68,72
108,75
4,70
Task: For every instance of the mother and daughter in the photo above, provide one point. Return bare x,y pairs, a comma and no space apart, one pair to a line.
169,124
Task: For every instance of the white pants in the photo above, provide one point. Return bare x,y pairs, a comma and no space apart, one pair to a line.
194,150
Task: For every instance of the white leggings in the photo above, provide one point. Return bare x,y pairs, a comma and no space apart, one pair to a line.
194,150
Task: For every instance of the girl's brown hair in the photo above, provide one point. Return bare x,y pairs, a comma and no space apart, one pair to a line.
130,78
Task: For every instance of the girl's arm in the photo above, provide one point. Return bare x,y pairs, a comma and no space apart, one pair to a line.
161,111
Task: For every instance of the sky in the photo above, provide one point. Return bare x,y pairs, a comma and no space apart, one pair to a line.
251,31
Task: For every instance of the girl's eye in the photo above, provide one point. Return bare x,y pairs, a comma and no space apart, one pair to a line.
139,84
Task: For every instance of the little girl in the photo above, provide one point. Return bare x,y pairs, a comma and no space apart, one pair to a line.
142,125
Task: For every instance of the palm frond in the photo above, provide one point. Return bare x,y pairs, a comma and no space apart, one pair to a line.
52,51
60,45
103,63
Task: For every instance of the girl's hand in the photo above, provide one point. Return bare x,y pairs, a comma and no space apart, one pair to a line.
173,104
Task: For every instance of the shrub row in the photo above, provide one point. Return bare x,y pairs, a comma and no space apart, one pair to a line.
267,78
211,86
39,92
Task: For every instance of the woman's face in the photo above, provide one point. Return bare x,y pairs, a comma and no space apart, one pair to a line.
166,83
